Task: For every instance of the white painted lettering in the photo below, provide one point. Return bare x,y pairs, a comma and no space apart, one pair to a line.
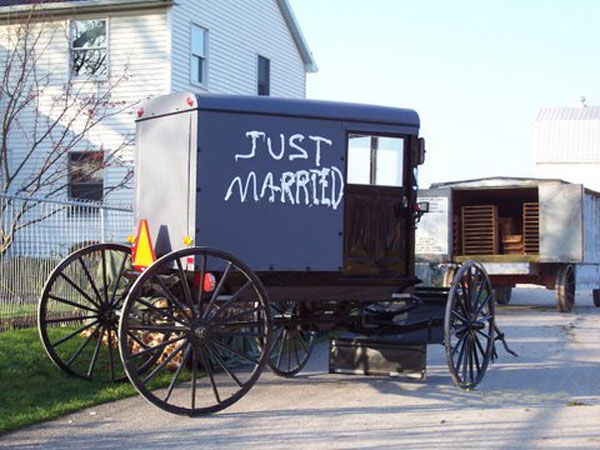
318,140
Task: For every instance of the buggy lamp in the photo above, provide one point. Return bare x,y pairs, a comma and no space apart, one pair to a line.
420,209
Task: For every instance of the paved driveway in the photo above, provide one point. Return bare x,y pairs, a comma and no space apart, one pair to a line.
548,397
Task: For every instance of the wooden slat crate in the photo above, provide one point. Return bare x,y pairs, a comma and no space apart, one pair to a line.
456,241
480,230
512,244
531,228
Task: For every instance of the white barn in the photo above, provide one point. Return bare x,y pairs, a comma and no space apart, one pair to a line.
247,47
567,144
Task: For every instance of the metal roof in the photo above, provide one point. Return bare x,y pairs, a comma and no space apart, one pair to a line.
352,112
569,113
567,135
496,182
15,6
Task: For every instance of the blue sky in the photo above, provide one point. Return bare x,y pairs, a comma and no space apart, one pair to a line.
477,72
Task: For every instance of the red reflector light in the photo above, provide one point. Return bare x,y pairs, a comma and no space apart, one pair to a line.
190,101
210,282
140,112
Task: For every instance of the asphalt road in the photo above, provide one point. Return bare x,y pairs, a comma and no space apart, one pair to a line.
548,397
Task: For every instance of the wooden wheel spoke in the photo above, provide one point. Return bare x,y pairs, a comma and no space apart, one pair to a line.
223,365
70,303
283,337
162,312
479,346
295,345
474,349
82,346
70,319
158,328
114,302
186,287
218,288
234,352
164,363
206,363
170,295
201,287
458,343
194,376
135,338
95,355
485,335
91,281
111,363
237,316
184,360
485,301
74,333
228,303
459,316
470,355
302,343
156,347
289,352
104,277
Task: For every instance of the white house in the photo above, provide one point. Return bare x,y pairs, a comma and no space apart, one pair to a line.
248,47
567,144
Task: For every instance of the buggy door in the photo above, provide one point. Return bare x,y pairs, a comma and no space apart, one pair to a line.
376,205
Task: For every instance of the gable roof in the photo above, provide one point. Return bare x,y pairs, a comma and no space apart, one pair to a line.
15,6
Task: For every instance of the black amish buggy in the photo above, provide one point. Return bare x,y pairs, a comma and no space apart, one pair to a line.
262,223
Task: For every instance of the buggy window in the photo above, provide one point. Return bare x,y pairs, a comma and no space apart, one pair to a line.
375,160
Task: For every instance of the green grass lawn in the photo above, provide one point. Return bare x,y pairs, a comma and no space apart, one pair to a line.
32,389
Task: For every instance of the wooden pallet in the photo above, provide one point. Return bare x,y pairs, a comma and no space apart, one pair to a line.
531,228
512,244
456,241
480,230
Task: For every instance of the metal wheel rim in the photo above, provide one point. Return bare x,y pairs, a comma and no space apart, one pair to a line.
289,343
92,313
467,356
192,351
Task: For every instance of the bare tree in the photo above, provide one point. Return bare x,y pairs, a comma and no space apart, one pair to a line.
49,119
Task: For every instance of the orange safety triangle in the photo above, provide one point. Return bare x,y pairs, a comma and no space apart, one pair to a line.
142,252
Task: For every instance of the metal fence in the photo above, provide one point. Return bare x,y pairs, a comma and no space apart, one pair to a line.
46,232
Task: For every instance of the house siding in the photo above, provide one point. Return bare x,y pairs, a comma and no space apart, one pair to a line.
238,31
138,50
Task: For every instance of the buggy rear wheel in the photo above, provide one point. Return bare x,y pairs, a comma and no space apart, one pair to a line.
214,313
78,311
292,345
469,325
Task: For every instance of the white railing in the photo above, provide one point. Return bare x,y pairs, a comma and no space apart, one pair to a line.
46,232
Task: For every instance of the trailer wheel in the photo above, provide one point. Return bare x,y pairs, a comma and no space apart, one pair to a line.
565,288
502,294
78,311
596,297
292,345
216,312
469,325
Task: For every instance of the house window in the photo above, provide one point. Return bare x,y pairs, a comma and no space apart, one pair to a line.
89,49
86,175
198,62
264,76
375,160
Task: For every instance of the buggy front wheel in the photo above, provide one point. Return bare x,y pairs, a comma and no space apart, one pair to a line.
469,325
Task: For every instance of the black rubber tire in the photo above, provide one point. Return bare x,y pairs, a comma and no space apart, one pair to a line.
470,315
94,303
565,288
596,297
502,294
202,326
291,343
